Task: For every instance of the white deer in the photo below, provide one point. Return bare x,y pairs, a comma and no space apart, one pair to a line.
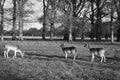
15,48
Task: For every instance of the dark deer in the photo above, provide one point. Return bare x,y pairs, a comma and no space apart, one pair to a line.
97,51
69,50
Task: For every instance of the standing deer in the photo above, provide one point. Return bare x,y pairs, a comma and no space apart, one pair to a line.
69,50
97,51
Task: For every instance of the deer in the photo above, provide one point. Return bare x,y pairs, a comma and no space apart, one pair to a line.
15,48
97,52
69,50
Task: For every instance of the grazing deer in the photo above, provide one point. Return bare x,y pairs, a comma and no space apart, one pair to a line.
97,51
69,50
15,48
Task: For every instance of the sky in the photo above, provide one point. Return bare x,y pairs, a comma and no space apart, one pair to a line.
38,11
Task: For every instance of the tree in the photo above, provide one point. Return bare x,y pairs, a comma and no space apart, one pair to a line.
48,18
92,19
21,4
70,22
33,32
76,11
2,18
117,6
111,24
96,15
72,9
14,19
52,16
98,21
45,9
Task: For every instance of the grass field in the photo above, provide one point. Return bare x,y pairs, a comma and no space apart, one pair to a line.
44,60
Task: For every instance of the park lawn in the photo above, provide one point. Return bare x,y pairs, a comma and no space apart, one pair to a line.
44,60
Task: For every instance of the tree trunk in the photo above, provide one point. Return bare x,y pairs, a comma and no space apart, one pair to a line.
70,22
53,13
51,30
112,34
111,24
98,22
44,21
118,11
117,6
74,16
14,20
70,32
92,20
21,20
2,23
44,31
66,33
68,29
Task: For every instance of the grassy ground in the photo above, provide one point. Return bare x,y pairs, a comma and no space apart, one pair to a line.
44,60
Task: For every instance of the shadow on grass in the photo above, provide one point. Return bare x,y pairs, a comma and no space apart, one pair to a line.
53,57
12,77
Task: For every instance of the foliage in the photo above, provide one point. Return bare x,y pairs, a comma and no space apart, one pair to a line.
59,11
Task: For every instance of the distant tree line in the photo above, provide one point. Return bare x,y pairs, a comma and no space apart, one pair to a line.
59,32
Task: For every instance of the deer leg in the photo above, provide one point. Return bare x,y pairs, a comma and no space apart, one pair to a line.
104,59
74,57
66,55
74,54
101,59
14,55
21,53
7,53
93,56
